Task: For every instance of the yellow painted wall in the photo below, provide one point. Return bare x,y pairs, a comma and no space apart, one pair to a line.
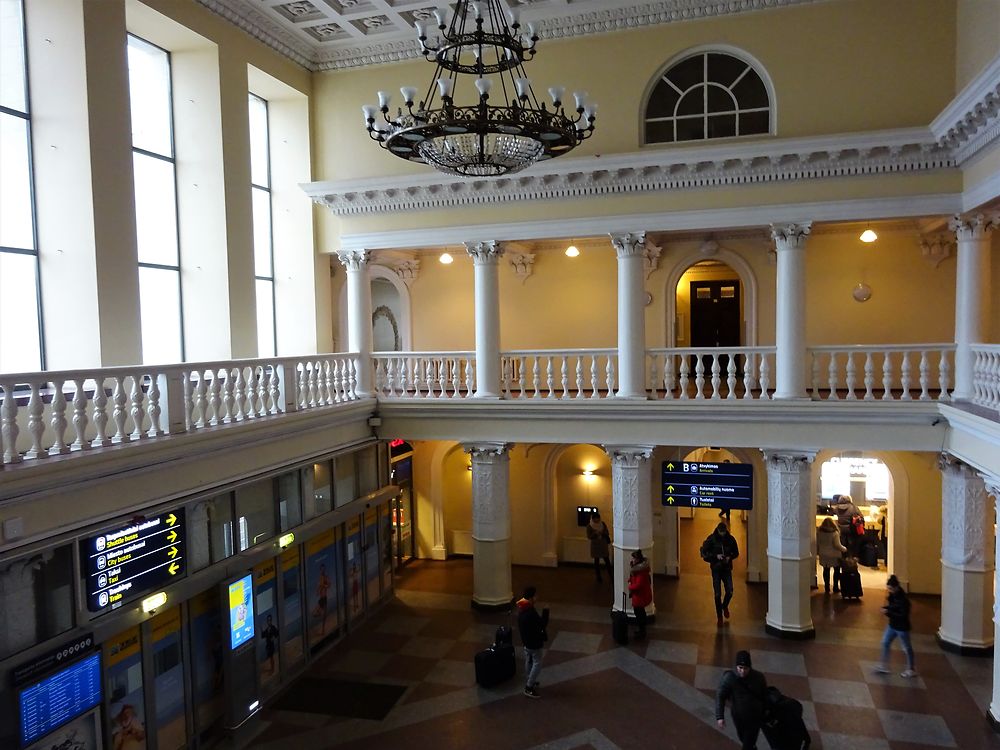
977,38
457,491
574,489
924,538
836,67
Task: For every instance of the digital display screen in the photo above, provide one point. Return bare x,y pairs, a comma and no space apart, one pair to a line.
241,611
60,698
705,484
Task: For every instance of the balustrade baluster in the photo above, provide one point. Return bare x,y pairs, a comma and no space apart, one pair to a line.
905,377
100,414
869,377
580,385
521,365
263,387
136,412
230,411
595,384
669,377
331,386
564,376
685,370
925,378
36,423
814,385
653,361
851,377
731,377
716,379
887,376
609,370
383,376
197,407
301,385
549,375
993,379
276,403
403,376
944,370
58,420
699,377
219,398
428,380
153,409
831,378
765,378
8,423
119,415
440,377
535,375
470,376
748,379
79,416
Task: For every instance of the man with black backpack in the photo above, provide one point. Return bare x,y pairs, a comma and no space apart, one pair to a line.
719,550
746,688
531,626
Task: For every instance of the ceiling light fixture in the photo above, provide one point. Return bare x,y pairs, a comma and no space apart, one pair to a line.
572,251
479,139
868,235
446,258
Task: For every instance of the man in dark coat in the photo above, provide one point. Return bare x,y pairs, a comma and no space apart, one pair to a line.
897,609
747,689
531,625
719,550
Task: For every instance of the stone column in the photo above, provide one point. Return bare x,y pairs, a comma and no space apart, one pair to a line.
486,260
972,296
632,513
359,315
631,249
790,320
491,586
791,514
967,560
992,485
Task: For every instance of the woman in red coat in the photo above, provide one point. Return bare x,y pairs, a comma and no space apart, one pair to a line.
641,589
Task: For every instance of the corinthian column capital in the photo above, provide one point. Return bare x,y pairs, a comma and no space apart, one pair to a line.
354,260
485,252
972,226
790,236
629,244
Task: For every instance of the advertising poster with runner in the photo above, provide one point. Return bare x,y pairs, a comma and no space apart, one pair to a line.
355,567
321,593
267,622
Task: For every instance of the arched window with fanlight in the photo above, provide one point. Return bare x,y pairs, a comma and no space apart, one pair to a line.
708,94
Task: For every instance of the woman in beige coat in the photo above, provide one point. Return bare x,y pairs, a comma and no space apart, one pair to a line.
830,551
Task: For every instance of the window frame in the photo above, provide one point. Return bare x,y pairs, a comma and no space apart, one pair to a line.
704,50
172,160
29,146
270,233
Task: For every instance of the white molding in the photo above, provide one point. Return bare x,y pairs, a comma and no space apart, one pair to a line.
699,219
971,121
981,193
651,170
264,29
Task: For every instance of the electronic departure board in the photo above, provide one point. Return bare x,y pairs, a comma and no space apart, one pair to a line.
59,698
704,484
131,560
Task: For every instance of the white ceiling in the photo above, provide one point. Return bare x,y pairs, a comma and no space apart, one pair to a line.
333,34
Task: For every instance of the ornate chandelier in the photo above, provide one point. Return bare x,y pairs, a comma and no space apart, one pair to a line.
480,139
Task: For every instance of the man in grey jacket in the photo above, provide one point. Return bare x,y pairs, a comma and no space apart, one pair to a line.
747,689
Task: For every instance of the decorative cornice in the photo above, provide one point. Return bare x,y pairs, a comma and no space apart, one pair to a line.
651,170
264,29
971,121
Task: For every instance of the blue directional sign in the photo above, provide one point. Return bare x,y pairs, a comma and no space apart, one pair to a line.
703,484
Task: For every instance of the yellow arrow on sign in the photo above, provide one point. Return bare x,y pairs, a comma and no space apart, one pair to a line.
171,519
172,536
172,552
670,488
174,567
670,466
670,500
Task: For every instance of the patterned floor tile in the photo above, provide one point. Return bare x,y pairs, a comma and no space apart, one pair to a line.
457,673
427,648
832,741
892,679
903,726
672,651
840,692
779,662
577,643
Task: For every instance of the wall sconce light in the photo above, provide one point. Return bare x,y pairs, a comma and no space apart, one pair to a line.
152,603
868,235
446,258
588,475
469,467
572,251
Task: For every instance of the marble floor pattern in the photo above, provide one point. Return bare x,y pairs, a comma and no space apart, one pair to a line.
653,693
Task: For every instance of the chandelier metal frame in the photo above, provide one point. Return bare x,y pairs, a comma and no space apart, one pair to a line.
479,139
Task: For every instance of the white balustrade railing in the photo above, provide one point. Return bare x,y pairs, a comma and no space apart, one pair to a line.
885,373
57,412
986,375
745,373
424,374
559,374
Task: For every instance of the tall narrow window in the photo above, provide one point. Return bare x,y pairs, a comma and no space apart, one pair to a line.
20,307
155,168
263,243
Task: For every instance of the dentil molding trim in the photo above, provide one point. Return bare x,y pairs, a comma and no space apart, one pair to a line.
971,121
703,166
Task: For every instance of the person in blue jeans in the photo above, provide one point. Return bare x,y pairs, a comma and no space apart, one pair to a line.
719,550
897,609
531,626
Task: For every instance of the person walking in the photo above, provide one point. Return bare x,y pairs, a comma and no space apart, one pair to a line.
830,551
531,626
640,588
897,609
600,544
719,550
846,510
746,688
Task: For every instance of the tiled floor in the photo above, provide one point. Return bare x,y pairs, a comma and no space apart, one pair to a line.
657,693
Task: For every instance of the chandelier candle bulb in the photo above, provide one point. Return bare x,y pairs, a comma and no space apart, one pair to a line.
441,18
483,86
445,86
369,110
523,87
383,100
421,30
478,8
515,17
581,98
557,93
409,93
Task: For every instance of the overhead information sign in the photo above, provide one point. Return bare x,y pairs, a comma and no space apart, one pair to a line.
59,698
695,484
127,562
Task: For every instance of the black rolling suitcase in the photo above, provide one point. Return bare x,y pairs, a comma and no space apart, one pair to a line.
495,665
619,623
850,579
783,725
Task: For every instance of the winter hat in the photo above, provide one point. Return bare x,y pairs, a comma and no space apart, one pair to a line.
743,659
722,529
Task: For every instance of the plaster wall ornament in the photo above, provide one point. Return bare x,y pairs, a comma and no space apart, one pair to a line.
907,150
523,264
936,248
630,486
790,236
652,258
490,498
973,227
708,248
790,509
629,244
354,260
964,511
487,252
408,270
